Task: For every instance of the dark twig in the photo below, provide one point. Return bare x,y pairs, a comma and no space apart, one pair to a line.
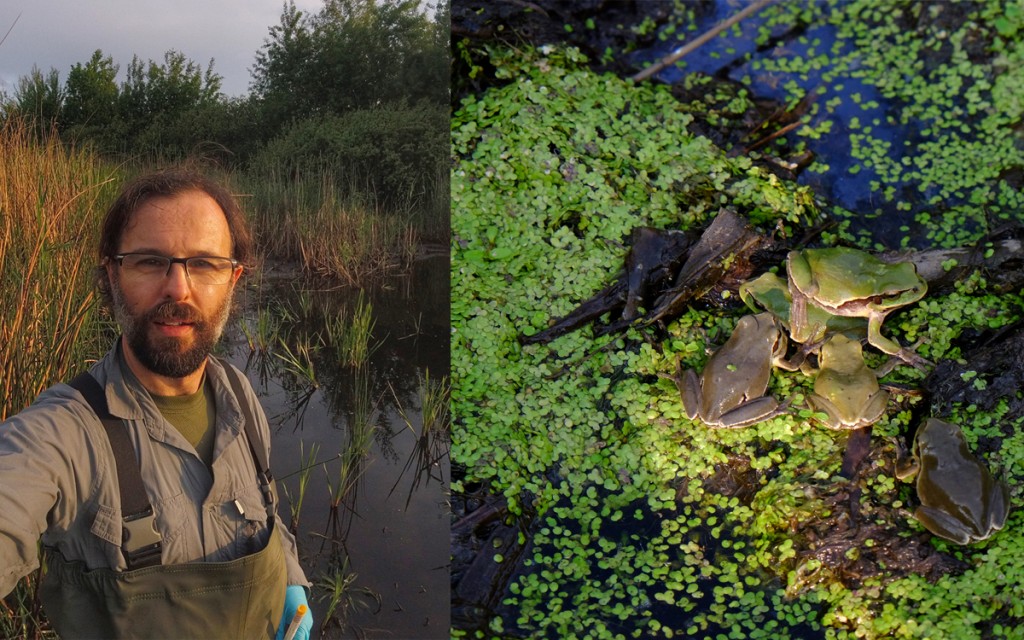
674,57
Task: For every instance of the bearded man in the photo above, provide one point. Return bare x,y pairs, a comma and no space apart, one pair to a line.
146,479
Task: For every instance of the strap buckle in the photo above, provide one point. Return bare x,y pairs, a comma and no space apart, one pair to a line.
267,488
140,541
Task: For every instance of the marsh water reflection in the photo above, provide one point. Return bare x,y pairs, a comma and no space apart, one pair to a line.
360,450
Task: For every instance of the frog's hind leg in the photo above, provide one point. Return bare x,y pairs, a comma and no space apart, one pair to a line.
944,525
759,410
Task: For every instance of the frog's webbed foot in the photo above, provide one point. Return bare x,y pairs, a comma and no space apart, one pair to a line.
801,359
910,357
677,376
797,362
906,465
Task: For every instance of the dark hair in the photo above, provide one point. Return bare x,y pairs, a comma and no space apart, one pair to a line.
164,183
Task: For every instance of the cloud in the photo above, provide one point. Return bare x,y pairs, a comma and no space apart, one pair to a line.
60,33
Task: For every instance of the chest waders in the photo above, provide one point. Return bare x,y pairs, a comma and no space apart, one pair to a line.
243,598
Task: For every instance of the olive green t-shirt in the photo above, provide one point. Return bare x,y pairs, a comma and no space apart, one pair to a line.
194,416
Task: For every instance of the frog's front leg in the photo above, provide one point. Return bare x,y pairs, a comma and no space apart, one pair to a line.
891,347
799,326
688,384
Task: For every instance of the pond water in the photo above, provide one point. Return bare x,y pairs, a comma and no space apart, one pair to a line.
385,547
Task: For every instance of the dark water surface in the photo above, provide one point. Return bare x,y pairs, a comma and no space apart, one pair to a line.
845,182
393,526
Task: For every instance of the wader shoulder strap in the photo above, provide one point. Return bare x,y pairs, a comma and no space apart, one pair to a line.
140,542
257,446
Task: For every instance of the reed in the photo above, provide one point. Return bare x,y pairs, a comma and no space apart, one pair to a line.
433,443
305,309
299,362
21,615
435,404
342,491
343,597
306,465
261,332
308,220
434,396
351,334
51,200
364,411
353,456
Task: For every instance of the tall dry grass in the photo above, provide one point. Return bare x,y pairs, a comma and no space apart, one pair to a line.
51,202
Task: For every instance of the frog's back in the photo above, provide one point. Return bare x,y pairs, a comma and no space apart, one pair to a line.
839,268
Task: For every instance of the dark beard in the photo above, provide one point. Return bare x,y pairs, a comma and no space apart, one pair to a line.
164,356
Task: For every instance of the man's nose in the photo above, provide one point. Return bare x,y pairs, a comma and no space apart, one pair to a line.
176,284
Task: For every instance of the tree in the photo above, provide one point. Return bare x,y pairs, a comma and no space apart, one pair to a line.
40,97
380,52
156,99
90,96
282,74
353,54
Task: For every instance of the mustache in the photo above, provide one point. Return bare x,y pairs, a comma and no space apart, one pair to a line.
175,312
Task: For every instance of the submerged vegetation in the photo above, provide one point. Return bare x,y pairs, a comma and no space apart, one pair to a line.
635,521
338,588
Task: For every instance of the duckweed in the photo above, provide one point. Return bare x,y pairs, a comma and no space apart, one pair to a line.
950,69
637,527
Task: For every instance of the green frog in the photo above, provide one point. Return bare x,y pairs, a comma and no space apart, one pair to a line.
769,292
845,388
852,283
960,500
730,391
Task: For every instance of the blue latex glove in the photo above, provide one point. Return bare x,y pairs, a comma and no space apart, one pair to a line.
295,595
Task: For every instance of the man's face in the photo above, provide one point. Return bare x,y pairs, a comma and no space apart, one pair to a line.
171,322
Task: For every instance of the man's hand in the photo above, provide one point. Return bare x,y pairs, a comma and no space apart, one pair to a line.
293,597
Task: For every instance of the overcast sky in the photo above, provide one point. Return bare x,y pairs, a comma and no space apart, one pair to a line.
60,33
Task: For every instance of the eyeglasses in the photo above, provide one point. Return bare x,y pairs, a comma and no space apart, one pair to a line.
199,269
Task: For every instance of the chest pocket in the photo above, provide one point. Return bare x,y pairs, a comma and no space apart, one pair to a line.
251,532
240,520
106,526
